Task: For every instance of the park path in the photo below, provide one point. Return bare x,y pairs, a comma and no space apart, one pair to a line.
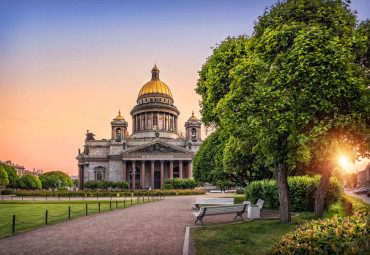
152,228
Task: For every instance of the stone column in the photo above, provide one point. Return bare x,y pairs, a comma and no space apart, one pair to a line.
189,170
142,174
162,172
180,169
133,170
171,169
124,177
146,121
152,174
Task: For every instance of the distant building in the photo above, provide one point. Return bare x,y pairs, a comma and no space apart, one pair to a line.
73,177
156,150
21,170
363,177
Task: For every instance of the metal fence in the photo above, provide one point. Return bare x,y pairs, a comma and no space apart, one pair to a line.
17,224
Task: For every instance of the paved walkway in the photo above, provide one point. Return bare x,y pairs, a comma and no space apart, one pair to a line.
363,197
152,228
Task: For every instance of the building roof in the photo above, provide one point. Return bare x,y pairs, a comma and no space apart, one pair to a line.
155,85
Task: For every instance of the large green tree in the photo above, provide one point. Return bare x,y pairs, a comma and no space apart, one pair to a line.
12,175
297,84
29,181
55,179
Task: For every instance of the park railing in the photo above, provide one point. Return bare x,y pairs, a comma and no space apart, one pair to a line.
19,224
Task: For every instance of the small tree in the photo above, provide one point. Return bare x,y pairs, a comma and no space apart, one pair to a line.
12,176
3,177
55,179
29,181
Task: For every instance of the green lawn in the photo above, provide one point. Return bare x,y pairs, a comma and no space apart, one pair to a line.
31,214
256,237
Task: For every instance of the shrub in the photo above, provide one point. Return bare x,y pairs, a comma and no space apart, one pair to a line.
167,186
302,192
337,235
3,177
104,184
29,181
239,191
12,176
62,189
181,183
55,179
7,192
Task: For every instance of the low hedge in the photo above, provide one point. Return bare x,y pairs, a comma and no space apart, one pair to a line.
108,193
337,235
177,183
302,192
7,192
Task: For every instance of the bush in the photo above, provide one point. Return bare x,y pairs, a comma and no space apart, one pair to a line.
7,192
55,179
62,189
181,183
239,191
302,192
104,184
337,235
12,176
167,186
29,181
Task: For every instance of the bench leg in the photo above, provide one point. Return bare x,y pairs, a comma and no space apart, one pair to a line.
196,207
200,219
240,215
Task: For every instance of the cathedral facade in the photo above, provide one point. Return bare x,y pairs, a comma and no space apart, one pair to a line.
155,151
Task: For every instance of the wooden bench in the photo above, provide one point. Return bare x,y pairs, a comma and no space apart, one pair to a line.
212,201
218,210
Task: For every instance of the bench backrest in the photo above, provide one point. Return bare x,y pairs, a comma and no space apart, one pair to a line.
226,209
260,203
214,201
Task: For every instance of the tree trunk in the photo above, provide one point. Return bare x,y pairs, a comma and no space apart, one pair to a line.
281,173
321,189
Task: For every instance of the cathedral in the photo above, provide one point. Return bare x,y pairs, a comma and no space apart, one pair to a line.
153,153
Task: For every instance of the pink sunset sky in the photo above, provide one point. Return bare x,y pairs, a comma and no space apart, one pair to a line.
69,66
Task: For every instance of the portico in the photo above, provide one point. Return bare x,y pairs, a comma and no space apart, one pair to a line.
150,165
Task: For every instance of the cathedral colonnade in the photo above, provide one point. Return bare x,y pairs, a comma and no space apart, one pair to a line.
153,173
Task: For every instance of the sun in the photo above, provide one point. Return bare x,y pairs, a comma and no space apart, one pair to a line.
343,161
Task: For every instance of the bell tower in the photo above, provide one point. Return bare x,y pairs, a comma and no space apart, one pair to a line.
119,127
192,129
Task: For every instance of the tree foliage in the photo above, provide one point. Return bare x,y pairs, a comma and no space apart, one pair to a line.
3,177
55,179
29,181
12,176
296,90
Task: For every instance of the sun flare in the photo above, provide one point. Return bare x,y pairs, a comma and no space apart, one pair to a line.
343,161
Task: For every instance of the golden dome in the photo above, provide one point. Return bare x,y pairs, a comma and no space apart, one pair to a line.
193,117
155,85
119,117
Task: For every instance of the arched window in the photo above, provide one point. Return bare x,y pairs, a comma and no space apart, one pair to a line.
193,133
151,100
145,100
154,120
118,133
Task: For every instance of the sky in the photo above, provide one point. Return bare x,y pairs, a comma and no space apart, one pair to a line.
68,66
